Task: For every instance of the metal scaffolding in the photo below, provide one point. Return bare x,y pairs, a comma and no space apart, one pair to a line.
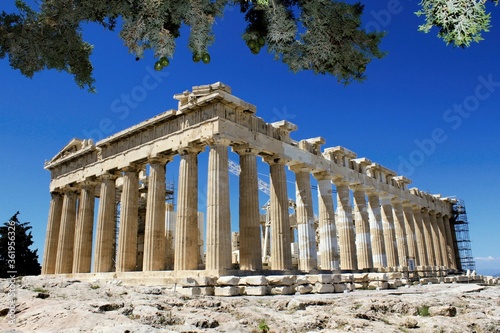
462,241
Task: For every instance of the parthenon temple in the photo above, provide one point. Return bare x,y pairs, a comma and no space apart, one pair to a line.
109,211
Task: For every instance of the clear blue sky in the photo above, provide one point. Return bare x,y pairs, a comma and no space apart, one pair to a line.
418,89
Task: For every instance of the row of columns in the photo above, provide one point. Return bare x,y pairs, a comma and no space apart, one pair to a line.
380,231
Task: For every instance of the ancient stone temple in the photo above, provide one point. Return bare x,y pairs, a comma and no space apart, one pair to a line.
366,219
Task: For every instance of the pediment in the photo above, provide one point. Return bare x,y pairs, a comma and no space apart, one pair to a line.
73,147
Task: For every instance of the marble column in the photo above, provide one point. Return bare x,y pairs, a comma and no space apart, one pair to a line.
281,253
411,237
388,231
186,234
442,240
154,228
345,228
376,232
328,245
64,259
218,255
129,216
106,225
420,238
250,240
434,230
84,229
431,258
362,224
52,235
308,258
401,234
450,245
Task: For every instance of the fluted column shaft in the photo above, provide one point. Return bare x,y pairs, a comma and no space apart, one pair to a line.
345,229
64,259
436,244
442,240
420,239
84,230
186,233
328,245
450,246
389,233
218,213
411,237
129,216
154,229
431,258
362,224
308,258
281,253
376,232
401,234
106,224
250,243
52,235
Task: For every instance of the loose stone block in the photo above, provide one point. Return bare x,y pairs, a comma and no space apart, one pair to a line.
320,288
281,280
394,284
189,291
283,290
363,285
304,288
207,291
394,275
380,285
256,290
340,287
227,291
197,281
360,277
346,277
337,278
254,281
228,281
301,280
377,277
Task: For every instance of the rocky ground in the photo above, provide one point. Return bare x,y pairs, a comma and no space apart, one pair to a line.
60,305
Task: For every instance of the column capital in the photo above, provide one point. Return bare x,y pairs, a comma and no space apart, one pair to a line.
339,181
87,183
322,175
218,141
132,167
162,159
397,200
69,189
109,175
300,167
385,195
406,203
190,149
245,149
358,187
275,159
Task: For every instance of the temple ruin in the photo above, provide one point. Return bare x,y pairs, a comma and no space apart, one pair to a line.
367,220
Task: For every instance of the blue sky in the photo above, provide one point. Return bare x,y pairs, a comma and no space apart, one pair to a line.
427,111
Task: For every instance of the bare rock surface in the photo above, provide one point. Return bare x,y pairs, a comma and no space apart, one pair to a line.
71,306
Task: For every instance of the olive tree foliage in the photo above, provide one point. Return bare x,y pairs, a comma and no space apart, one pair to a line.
460,22
319,35
324,36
